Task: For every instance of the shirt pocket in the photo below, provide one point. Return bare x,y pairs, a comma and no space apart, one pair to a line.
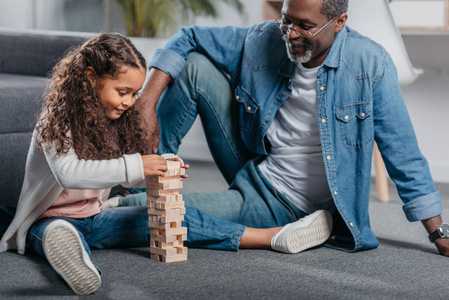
247,108
356,125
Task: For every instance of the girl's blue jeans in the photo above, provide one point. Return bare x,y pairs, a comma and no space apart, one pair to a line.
128,227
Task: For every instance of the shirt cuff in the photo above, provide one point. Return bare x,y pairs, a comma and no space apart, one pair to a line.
423,208
168,62
134,168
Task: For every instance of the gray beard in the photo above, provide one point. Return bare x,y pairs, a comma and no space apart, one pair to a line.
298,59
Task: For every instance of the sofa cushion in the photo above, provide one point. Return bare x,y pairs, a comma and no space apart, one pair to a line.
20,100
13,154
34,52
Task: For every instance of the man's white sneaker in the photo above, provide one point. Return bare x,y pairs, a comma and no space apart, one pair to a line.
308,232
66,254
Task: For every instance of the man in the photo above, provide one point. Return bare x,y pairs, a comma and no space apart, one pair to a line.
291,110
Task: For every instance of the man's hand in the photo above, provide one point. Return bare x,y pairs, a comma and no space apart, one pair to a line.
431,225
156,84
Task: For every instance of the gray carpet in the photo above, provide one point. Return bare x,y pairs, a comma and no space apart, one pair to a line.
405,266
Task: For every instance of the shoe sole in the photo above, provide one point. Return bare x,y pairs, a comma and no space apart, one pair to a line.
316,233
63,250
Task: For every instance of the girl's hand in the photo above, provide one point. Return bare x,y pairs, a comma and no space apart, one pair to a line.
154,165
186,166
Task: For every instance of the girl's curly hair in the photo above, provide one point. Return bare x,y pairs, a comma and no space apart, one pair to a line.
73,114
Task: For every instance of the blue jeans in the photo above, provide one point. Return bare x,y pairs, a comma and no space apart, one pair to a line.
128,227
203,90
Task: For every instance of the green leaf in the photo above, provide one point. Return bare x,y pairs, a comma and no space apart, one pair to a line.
151,18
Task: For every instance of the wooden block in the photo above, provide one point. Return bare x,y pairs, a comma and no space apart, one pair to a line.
164,205
165,219
166,245
174,258
182,250
163,178
166,252
156,257
167,212
168,239
171,185
173,164
174,171
164,198
159,225
158,192
171,219
169,231
169,251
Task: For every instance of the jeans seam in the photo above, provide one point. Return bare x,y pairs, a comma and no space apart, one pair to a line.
292,213
235,237
221,126
36,237
179,129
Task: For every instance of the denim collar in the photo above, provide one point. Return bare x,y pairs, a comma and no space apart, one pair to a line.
333,59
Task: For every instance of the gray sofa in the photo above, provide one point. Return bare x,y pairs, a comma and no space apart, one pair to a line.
405,266
26,57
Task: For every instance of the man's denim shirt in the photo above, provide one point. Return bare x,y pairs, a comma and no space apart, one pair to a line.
359,102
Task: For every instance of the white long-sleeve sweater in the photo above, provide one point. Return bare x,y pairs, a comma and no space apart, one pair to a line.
47,174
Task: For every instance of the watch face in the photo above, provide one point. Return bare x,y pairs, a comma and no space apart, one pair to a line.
444,230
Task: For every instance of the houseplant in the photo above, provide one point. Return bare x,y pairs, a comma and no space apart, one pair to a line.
156,18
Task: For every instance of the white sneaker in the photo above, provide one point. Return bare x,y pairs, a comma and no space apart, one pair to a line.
111,203
308,232
66,254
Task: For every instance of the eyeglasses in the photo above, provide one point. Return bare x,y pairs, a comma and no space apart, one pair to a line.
286,28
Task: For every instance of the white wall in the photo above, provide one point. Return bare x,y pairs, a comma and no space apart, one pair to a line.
428,98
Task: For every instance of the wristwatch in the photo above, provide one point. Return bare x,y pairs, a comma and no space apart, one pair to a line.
441,232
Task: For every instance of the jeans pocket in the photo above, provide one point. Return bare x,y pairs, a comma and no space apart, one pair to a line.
247,108
356,125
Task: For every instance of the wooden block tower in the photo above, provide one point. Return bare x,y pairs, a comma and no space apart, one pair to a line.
166,210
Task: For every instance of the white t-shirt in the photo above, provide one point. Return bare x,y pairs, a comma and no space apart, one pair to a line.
295,165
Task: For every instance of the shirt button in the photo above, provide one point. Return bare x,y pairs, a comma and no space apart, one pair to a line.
346,117
322,88
363,115
267,121
328,157
335,193
249,108
323,121
350,224
237,97
283,95
289,80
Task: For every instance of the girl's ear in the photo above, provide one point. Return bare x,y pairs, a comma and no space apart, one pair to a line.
91,75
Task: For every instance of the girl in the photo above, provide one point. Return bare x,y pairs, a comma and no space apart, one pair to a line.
87,140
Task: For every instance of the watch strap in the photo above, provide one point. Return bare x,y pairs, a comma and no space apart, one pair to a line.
434,236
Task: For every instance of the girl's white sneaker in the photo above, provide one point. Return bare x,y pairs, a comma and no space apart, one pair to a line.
66,254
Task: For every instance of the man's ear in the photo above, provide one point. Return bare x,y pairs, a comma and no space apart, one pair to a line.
341,21
91,75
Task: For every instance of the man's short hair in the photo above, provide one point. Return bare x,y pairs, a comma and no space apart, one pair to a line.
334,8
